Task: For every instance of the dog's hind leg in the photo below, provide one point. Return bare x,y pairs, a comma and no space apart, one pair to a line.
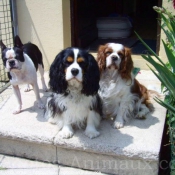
41,70
36,90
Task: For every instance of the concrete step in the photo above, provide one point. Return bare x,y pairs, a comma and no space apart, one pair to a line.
133,149
10,165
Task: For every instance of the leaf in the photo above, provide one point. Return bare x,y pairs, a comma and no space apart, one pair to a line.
165,75
169,36
166,105
151,51
167,22
173,25
170,56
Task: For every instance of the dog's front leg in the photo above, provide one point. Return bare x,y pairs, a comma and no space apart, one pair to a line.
119,121
36,90
124,113
18,97
93,122
67,131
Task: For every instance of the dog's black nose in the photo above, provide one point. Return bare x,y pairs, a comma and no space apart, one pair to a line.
12,63
114,58
74,71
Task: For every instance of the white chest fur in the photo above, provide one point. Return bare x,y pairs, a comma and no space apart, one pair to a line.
77,107
111,84
113,91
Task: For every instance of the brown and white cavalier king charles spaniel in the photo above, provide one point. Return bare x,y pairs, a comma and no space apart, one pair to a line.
123,96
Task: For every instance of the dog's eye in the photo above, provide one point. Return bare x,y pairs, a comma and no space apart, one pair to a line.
80,60
108,53
83,65
120,54
69,59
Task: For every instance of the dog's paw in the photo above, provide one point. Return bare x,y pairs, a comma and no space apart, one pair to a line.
27,88
118,125
45,89
66,133
17,110
52,120
92,133
142,114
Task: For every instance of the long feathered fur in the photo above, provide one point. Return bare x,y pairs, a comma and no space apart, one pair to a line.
74,80
123,96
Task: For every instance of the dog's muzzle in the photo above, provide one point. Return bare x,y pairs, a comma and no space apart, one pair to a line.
74,71
12,63
114,58
112,62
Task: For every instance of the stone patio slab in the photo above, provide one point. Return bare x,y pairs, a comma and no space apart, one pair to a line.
133,149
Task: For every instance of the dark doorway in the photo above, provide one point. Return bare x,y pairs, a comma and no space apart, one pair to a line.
85,15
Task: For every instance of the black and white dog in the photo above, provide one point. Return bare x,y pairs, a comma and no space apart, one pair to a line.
21,63
74,80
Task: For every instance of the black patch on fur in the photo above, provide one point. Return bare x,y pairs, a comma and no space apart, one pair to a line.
91,76
55,109
9,76
19,54
31,50
34,53
97,105
57,81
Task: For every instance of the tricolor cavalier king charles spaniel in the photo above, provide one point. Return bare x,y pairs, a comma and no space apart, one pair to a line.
123,96
74,80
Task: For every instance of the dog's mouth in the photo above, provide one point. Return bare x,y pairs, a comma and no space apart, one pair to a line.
13,64
112,66
74,79
74,83
14,68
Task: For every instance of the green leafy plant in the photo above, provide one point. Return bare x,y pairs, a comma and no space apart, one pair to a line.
165,72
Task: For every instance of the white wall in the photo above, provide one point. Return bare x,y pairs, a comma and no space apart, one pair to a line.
41,22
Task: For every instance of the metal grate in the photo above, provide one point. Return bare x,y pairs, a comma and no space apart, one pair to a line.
6,34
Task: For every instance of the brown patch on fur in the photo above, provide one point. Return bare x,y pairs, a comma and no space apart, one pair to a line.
143,93
101,57
126,64
80,59
70,59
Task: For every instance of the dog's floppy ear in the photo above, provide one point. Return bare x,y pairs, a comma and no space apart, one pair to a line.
126,65
57,81
91,77
17,42
101,60
3,46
